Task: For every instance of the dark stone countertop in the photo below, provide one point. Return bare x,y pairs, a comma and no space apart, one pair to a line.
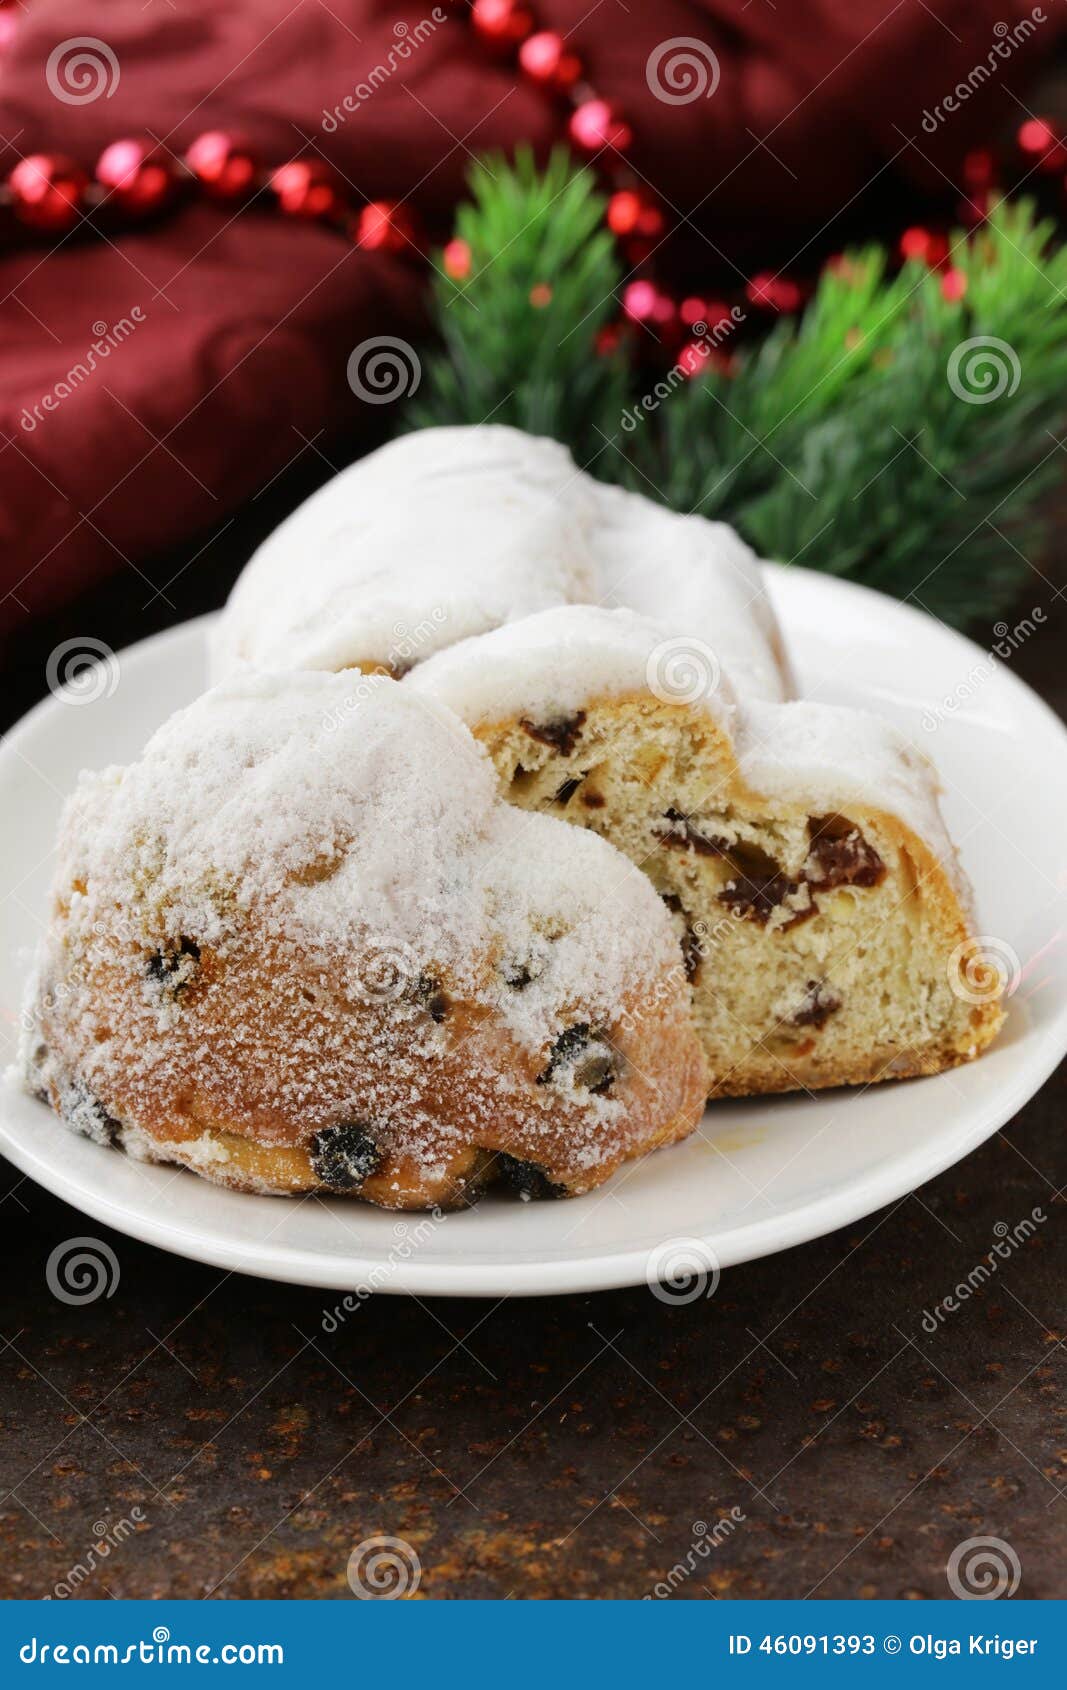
552,1447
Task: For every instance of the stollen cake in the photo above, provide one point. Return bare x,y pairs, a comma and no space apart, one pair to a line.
624,670
450,532
302,946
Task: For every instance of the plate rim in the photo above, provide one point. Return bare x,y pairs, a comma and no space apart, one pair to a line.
861,1197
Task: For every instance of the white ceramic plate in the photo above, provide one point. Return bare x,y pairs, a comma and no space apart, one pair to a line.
759,1175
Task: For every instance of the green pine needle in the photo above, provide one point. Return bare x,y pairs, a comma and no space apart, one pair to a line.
860,440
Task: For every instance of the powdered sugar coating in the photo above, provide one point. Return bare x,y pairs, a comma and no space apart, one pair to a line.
450,532
329,852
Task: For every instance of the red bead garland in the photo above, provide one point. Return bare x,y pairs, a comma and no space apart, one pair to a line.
51,194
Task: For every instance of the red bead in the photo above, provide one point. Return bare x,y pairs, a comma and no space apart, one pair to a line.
929,245
224,167
596,124
693,356
953,285
1036,137
456,260
502,23
623,211
546,60
384,227
608,339
665,313
140,178
639,301
307,187
633,213
773,293
915,243
48,191
979,168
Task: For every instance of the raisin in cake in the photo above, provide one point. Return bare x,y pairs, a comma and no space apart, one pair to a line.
302,946
451,532
824,920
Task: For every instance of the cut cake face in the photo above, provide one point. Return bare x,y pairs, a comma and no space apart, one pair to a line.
824,922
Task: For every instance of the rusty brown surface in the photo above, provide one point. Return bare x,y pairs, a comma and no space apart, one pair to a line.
555,1447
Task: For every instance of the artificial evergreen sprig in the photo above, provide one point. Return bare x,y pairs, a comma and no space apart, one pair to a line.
519,331
892,434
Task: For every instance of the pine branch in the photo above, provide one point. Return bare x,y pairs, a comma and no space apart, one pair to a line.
844,445
520,332
840,442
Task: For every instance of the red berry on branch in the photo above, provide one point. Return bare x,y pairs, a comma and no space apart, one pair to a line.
383,226
773,293
48,191
1040,144
693,357
953,285
915,243
980,168
545,60
665,313
937,251
501,24
596,124
307,187
639,301
1035,137
633,213
139,176
456,260
929,245
224,167
716,313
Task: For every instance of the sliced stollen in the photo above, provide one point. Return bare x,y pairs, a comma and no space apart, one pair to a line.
624,669
451,532
823,917
302,945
